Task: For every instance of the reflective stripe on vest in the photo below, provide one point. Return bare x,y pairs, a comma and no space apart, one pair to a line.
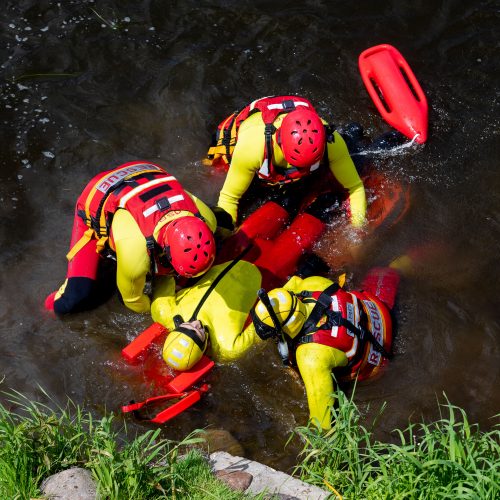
146,199
139,189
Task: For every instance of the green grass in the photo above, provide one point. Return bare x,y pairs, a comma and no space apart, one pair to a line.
36,442
447,459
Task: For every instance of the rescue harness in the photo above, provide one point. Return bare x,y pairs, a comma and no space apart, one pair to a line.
147,192
309,332
334,318
226,136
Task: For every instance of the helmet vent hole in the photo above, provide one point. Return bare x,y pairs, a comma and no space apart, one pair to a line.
200,235
195,258
187,250
300,142
205,254
207,242
189,238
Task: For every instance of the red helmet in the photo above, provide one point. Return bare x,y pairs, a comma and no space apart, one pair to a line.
190,244
303,138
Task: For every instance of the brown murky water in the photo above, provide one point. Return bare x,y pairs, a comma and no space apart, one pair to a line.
88,85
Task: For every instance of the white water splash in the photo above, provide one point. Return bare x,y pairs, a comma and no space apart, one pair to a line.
395,151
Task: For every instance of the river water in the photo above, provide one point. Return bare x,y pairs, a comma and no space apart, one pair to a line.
88,85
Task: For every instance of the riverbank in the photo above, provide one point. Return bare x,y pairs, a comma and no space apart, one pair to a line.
450,458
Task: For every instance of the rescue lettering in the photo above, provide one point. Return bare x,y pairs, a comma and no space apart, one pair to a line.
377,327
116,176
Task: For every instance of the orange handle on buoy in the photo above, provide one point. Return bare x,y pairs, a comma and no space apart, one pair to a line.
137,350
395,90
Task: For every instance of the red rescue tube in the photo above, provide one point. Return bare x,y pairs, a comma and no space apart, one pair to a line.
395,90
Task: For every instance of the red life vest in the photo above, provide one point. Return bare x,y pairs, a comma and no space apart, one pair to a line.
145,190
270,107
362,310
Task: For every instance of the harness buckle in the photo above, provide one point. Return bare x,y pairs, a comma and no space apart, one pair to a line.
163,204
269,130
150,243
288,105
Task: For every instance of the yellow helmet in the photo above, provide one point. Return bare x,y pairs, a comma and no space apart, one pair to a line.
183,348
278,311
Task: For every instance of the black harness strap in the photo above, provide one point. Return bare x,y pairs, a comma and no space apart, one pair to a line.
217,280
268,133
192,335
226,135
362,333
320,309
150,245
178,319
94,222
335,318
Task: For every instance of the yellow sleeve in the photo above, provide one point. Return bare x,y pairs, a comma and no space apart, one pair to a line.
164,305
225,312
247,158
315,363
205,212
296,284
132,261
232,347
344,170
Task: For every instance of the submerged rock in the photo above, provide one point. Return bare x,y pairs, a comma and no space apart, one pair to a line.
222,440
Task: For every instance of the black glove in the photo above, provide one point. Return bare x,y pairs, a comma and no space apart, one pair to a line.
312,265
290,197
224,220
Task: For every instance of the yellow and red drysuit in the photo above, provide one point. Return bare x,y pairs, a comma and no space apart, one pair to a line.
333,344
261,253
242,147
123,210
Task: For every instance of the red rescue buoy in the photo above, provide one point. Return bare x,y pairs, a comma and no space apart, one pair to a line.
395,90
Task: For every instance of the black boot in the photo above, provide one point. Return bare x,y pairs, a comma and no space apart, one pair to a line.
312,265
